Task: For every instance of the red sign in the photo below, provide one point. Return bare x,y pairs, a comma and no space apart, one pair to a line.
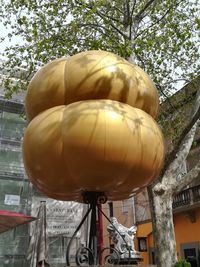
9,220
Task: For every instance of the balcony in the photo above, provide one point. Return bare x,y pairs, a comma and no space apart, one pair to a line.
187,199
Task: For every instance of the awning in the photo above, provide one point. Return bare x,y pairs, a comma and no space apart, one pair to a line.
9,220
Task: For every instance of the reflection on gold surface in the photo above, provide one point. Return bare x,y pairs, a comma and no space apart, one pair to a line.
95,145
87,76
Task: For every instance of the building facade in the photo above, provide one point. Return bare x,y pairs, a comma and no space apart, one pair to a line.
18,195
14,186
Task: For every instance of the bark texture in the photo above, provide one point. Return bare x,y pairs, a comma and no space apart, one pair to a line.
163,228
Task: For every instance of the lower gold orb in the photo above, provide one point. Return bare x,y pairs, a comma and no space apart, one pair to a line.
97,145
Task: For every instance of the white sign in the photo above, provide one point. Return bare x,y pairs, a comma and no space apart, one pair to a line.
62,217
12,200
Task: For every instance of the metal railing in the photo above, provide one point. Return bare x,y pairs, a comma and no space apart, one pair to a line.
196,193
187,197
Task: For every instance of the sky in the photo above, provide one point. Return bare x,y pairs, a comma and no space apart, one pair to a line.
4,44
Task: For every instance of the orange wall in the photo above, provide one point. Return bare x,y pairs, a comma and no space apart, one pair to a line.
185,230
144,230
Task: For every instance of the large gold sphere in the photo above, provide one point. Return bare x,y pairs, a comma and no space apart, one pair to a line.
97,145
90,75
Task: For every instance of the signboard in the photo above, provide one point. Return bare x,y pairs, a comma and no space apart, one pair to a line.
12,200
62,217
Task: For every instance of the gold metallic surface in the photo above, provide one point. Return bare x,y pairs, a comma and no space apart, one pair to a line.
90,75
96,145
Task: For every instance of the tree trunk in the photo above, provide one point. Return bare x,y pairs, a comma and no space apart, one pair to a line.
163,227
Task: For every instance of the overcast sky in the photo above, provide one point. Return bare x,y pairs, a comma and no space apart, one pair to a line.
3,33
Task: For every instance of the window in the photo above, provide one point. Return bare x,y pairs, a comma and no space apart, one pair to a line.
142,244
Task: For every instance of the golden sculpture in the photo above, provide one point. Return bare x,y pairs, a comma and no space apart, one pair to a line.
90,75
104,143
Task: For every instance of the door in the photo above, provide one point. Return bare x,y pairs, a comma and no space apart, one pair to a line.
190,256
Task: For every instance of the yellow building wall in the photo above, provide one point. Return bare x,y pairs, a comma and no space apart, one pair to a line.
186,231
144,230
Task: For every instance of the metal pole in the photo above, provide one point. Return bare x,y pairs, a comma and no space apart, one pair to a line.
100,233
93,234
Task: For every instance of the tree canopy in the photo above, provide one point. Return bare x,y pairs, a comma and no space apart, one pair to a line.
158,35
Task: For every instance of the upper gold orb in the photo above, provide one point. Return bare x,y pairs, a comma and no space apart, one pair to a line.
90,75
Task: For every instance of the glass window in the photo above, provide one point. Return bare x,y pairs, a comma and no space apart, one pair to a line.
11,126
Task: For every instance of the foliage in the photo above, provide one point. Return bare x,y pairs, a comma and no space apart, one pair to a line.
176,112
158,35
182,263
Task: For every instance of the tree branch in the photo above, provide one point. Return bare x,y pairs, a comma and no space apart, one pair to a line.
176,80
192,175
158,20
120,32
102,15
126,13
173,168
179,154
141,15
109,17
153,24
94,25
133,7
99,28
113,26
167,98
105,16
185,136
